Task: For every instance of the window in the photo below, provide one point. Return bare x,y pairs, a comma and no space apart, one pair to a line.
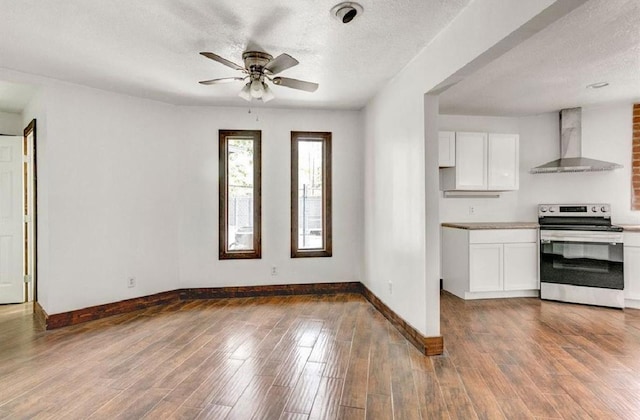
310,194
240,179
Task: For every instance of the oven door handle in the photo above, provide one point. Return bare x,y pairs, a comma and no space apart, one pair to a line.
545,241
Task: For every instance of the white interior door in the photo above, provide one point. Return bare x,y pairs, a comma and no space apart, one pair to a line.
11,220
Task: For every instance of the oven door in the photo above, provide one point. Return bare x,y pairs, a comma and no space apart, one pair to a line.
582,259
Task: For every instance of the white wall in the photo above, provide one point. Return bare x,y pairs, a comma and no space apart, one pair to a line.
396,223
11,123
107,200
606,135
198,195
128,187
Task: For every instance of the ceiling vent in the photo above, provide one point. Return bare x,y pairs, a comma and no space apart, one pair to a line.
346,12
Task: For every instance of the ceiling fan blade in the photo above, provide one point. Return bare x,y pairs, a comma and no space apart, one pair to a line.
220,81
295,84
221,60
280,63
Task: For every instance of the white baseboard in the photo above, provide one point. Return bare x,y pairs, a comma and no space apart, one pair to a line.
501,294
632,303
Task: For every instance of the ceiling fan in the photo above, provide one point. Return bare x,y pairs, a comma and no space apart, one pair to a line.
259,67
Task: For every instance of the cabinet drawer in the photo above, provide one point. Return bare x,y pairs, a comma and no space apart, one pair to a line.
503,236
632,239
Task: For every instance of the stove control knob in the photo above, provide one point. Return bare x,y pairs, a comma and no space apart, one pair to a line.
543,209
604,209
551,210
594,209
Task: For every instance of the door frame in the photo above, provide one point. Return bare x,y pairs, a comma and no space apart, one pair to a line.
33,247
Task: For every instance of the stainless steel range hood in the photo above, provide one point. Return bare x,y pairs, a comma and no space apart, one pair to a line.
571,159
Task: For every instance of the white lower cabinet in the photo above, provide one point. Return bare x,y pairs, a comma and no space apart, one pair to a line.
521,266
632,269
486,267
480,264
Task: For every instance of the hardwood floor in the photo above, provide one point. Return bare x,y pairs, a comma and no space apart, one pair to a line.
323,357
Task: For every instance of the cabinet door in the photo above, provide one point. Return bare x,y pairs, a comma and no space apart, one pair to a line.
485,268
471,161
503,162
521,266
632,272
446,149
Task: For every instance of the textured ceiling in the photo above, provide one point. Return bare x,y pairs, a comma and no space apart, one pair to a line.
599,41
149,48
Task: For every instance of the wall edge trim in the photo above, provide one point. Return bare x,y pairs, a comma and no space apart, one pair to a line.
429,346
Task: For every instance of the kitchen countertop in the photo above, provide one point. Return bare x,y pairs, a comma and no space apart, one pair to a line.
493,225
630,228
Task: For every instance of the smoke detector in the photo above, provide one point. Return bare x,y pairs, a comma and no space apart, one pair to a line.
347,11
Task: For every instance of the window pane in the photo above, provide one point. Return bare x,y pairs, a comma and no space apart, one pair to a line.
240,196
239,186
311,194
310,190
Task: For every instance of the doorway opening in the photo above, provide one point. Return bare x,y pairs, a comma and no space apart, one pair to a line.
18,268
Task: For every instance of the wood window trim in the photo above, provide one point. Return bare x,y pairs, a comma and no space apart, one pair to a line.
256,252
30,129
325,138
635,158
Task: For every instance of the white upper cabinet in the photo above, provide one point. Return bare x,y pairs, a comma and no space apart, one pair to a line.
502,162
447,149
471,161
483,161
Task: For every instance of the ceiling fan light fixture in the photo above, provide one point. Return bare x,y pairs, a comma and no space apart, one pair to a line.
267,93
245,93
258,69
257,90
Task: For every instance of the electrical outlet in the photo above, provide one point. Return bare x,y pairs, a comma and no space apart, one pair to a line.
274,270
131,282
472,210
390,288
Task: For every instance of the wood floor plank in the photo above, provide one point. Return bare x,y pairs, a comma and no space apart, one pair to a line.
530,394
431,401
303,394
214,412
294,416
351,413
403,389
276,397
338,359
567,407
228,387
483,400
379,407
458,403
326,404
249,402
331,356
292,367
379,368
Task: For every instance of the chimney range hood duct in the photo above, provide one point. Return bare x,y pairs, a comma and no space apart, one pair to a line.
571,159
